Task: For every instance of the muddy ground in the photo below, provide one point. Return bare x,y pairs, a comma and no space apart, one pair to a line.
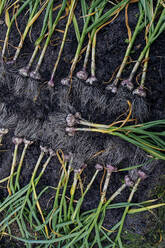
95,104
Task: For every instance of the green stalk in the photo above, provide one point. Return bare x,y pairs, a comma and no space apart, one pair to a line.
76,28
93,78
87,54
62,206
92,41
26,145
160,27
82,74
127,183
17,186
140,25
90,124
63,179
5,179
117,192
103,210
80,235
24,71
138,135
30,188
140,91
117,239
2,5
32,179
84,32
63,194
93,63
145,69
105,17
10,187
43,169
80,201
84,8
71,13
96,215
24,190
40,210
96,24
51,31
99,9
55,206
32,17
10,25
72,193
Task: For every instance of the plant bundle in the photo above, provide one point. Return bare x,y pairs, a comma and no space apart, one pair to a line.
142,21
35,13
92,42
97,6
142,176
26,129
48,22
155,27
21,205
140,135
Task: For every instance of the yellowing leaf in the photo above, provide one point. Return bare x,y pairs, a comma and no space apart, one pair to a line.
138,210
7,18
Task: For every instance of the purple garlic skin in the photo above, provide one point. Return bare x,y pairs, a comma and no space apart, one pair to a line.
91,80
24,72
128,84
35,75
70,131
99,167
83,75
44,149
17,141
140,91
51,152
112,88
51,83
65,81
142,174
111,168
70,120
128,182
28,142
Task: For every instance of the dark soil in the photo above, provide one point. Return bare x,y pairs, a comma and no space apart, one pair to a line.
46,109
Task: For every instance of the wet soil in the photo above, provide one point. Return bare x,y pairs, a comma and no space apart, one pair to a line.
36,103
